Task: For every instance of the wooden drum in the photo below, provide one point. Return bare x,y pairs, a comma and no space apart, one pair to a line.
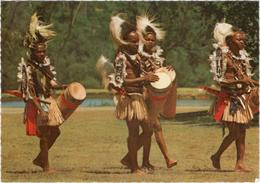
71,98
254,100
169,108
159,91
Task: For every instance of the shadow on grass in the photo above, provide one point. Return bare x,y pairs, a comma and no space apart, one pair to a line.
37,171
208,170
24,172
104,172
116,167
203,119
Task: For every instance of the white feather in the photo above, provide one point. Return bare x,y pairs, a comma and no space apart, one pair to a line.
104,68
116,29
37,26
221,31
144,21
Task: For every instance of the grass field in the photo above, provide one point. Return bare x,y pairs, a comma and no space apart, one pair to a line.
92,142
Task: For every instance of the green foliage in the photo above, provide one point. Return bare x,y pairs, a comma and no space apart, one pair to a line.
83,35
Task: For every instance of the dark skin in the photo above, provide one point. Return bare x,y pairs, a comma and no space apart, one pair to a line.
237,43
132,79
237,132
38,54
149,44
48,134
132,48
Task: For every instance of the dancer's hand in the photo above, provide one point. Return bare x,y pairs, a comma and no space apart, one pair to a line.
151,77
169,68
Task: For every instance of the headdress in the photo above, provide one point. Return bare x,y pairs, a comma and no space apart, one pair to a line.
104,68
221,31
119,29
38,32
146,24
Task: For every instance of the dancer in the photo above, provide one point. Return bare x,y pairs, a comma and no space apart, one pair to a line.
128,84
230,64
152,59
37,77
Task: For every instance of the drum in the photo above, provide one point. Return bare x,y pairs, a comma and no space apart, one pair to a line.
71,98
169,108
253,100
158,91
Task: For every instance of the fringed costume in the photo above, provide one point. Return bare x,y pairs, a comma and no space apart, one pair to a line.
155,59
37,77
130,100
232,103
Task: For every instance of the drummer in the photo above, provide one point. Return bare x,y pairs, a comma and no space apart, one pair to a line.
128,84
152,59
37,77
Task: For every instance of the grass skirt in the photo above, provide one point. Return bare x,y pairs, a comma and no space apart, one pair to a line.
131,107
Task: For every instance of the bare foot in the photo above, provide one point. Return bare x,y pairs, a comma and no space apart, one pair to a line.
148,166
49,170
138,172
38,163
125,162
242,168
215,162
171,163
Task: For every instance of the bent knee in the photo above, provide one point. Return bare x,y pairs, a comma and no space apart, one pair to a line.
157,127
56,132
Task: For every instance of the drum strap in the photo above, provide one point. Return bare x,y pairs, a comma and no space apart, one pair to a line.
67,103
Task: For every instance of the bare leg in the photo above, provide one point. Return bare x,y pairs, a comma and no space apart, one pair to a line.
233,135
144,140
126,159
162,145
50,134
240,146
147,133
43,155
133,133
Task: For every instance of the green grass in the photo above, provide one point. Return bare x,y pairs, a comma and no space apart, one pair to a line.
92,142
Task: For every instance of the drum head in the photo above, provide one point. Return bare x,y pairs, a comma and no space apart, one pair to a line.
77,91
163,82
172,74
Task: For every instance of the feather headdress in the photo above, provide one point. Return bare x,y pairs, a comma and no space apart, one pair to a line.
119,28
38,32
221,31
143,23
104,68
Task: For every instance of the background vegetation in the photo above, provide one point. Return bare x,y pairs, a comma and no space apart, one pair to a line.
83,35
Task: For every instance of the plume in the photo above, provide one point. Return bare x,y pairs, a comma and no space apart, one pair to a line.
144,21
115,27
221,31
38,27
104,68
